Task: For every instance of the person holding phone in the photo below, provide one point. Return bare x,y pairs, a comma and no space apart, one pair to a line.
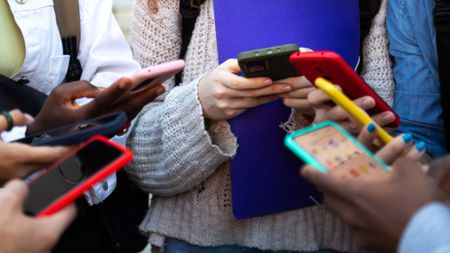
404,212
38,61
18,232
182,144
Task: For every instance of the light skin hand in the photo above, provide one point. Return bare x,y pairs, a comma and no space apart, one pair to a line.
325,109
224,95
401,146
19,160
376,210
298,98
21,233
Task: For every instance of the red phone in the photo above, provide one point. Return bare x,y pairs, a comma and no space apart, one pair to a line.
151,76
52,189
335,69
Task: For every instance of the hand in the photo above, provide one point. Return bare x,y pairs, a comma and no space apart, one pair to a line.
326,110
19,160
298,98
224,95
20,233
401,146
61,109
440,171
376,210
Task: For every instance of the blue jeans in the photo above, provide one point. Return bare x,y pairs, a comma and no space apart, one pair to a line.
178,246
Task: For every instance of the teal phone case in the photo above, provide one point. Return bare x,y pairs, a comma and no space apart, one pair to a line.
309,159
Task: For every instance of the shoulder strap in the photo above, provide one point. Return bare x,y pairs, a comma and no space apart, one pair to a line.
68,18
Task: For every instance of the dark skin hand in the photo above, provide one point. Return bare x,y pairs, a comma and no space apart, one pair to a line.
60,108
376,210
440,172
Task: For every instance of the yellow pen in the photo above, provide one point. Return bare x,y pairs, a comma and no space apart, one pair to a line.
342,100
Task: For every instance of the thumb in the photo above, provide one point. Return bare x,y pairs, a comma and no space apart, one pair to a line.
231,65
58,222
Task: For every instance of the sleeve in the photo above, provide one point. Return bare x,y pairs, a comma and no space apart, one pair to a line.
428,231
104,52
173,150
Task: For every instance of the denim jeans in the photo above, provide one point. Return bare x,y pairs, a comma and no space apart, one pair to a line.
178,246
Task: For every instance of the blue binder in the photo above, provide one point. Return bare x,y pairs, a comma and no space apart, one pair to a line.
265,177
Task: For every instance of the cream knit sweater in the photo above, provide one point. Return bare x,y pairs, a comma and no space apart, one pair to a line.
186,165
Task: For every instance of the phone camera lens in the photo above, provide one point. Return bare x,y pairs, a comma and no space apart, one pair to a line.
269,51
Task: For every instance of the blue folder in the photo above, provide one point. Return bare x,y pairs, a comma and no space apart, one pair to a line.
265,175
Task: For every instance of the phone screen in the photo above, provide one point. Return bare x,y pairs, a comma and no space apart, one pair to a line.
340,155
48,185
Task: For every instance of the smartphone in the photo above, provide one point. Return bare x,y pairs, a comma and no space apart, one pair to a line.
357,113
332,67
330,149
53,188
106,125
151,76
272,62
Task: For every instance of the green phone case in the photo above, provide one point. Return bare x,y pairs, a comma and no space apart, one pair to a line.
272,62
309,159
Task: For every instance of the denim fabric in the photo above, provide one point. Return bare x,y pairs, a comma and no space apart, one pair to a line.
178,246
412,43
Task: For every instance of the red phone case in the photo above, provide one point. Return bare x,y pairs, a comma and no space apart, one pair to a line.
77,191
335,69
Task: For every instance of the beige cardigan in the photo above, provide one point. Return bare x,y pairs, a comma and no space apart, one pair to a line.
185,165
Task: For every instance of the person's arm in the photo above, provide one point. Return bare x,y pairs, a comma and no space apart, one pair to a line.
174,151
104,53
428,230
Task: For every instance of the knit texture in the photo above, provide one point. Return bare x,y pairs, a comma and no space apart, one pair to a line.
377,66
185,165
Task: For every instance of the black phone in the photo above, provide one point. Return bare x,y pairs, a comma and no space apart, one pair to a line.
106,125
272,62
67,179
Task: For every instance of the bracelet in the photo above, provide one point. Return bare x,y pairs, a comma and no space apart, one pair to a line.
9,119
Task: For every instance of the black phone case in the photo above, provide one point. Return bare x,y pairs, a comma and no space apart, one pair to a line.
272,62
80,131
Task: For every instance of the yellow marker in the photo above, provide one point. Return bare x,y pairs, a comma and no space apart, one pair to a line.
342,100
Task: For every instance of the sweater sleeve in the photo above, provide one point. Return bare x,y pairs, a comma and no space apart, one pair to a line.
428,230
173,150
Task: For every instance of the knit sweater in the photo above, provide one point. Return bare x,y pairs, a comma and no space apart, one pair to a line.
185,164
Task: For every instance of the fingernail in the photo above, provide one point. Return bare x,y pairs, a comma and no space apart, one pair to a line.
388,118
287,88
371,128
368,103
407,137
421,146
160,90
28,117
267,82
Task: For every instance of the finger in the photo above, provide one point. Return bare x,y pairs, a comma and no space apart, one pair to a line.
297,83
72,91
384,118
318,97
299,93
21,119
18,189
42,155
440,169
107,97
270,90
133,105
326,183
393,150
245,103
350,126
231,65
57,223
233,81
299,104
417,151
368,136
305,49
338,113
